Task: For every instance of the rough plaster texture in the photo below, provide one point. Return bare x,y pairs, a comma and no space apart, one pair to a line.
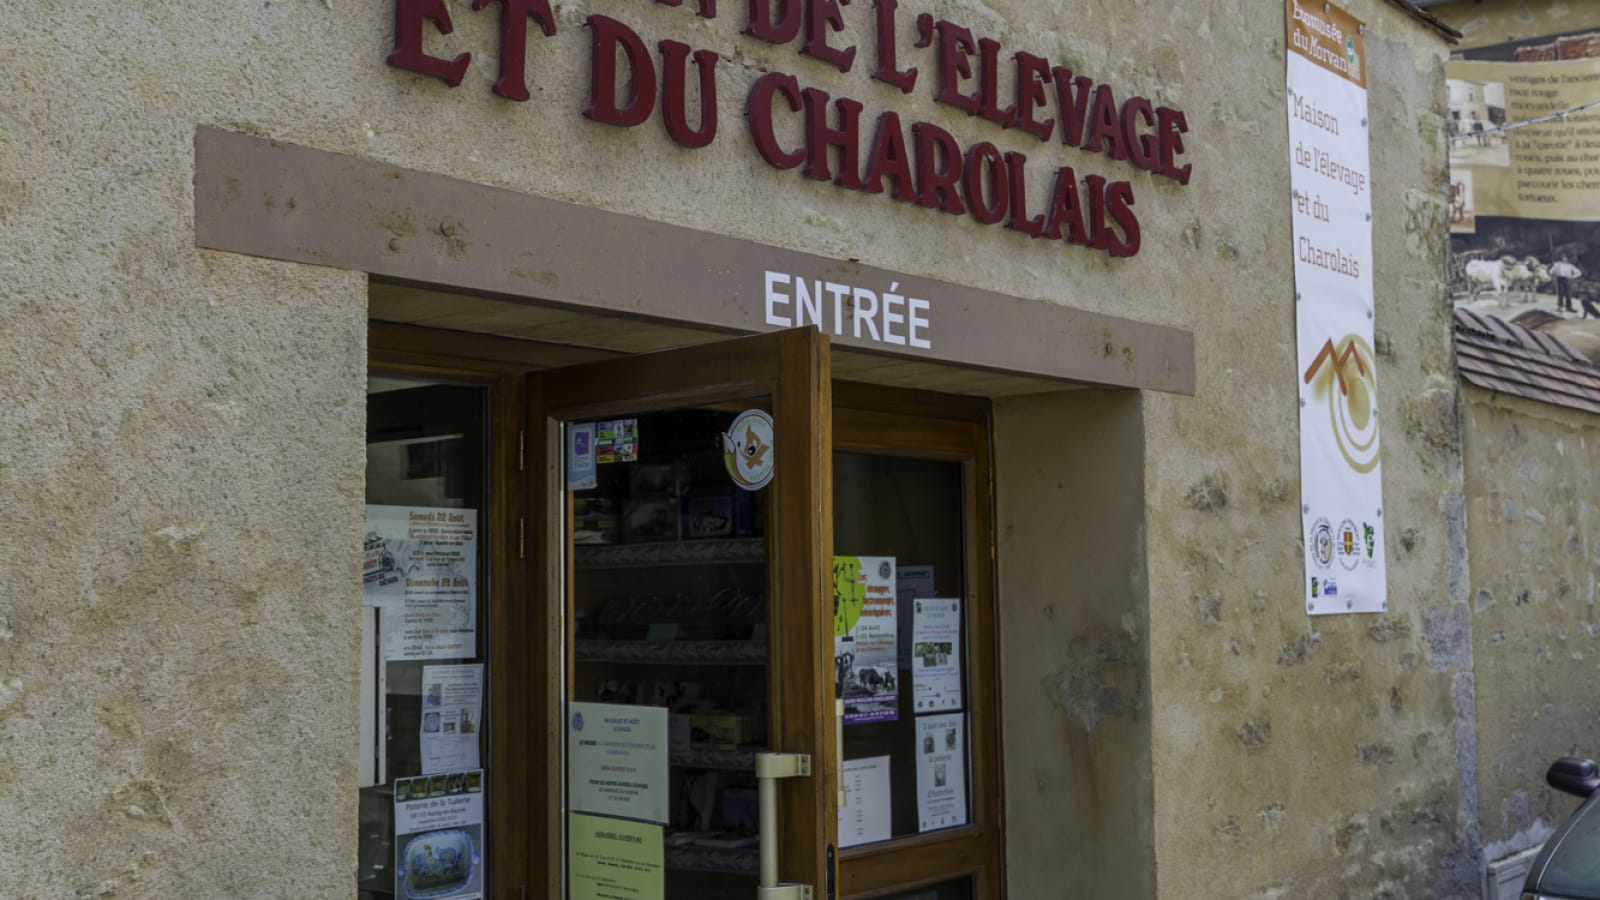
1335,759
1534,532
180,445
1074,622
1530,495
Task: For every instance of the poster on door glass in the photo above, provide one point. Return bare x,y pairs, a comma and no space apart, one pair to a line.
864,817
452,717
420,568
935,654
438,844
910,583
865,673
941,772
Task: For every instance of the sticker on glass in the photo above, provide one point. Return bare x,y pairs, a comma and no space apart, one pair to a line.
581,474
747,449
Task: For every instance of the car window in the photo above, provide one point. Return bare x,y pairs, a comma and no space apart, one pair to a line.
1574,867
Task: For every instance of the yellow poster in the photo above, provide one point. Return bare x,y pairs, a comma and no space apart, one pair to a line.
613,859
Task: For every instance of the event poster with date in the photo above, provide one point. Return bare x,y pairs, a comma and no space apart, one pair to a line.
1330,176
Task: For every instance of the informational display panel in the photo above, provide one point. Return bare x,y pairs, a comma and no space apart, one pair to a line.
1547,169
864,817
865,638
614,859
941,772
617,760
936,654
438,824
452,717
1340,476
1525,184
421,568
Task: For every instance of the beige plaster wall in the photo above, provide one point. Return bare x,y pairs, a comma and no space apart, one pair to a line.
180,447
1299,756
1534,534
1484,23
1074,619
180,460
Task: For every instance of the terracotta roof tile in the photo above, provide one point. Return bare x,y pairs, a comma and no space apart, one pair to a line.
1501,356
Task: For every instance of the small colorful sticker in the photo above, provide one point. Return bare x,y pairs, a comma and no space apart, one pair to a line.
747,449
1349,545
580,457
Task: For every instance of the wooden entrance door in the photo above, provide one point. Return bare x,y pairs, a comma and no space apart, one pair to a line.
682,532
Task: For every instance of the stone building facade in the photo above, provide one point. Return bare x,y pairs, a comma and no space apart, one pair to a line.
217,219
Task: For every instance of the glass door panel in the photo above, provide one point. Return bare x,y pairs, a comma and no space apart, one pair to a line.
424,640
902,667
684,573
668,572
912,543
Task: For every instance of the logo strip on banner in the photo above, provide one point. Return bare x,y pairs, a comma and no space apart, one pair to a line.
1340,478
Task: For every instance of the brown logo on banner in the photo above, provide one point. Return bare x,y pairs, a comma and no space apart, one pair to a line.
1329,37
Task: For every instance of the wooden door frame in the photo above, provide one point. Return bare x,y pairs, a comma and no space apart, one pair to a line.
790,367
392,353
524,734
909,423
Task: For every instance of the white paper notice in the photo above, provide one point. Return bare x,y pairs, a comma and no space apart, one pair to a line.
866,672
935,654
864,817
452,716
941,772
910,582
617,760
421,568
1341,485
438,846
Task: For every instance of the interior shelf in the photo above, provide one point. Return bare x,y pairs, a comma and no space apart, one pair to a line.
731,760
670,553
705,653
741,861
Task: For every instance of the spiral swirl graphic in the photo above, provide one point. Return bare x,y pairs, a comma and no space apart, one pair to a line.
1343,376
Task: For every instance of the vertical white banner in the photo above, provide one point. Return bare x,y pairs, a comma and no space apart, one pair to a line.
1331,207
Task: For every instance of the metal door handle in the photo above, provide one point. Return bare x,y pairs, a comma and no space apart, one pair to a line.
838,746
769,768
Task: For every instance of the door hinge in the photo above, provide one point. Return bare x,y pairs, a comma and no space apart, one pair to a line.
522,539
522,450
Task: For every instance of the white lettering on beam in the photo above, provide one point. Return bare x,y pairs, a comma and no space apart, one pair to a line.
794,301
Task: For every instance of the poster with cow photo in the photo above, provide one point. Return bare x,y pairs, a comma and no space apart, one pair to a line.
866,676
1525,185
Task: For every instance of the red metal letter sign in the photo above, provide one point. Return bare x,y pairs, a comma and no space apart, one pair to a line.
408,53
674,102
514,17
609,35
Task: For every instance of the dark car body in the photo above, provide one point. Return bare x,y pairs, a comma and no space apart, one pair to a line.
1568,868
